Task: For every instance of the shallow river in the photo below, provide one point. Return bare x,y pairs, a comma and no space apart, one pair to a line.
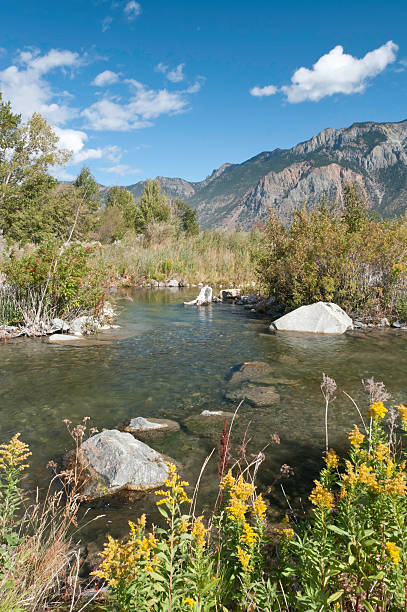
171,361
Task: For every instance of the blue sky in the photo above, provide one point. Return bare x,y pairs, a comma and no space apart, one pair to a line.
139,89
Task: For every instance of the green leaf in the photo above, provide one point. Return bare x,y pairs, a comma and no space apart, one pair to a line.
334,596
339,531
367,605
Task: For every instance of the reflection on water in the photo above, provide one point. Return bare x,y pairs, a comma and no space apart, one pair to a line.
173,361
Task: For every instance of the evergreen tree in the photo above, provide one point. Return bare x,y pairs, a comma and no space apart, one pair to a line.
188,218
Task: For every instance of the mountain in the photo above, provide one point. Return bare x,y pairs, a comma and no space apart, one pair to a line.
373,155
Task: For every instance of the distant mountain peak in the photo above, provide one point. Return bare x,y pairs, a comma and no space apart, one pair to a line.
374,155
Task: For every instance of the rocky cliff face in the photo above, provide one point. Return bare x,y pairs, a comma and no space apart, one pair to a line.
374,155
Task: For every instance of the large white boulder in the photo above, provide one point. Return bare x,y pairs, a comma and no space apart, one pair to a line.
318,318
204,298
115,461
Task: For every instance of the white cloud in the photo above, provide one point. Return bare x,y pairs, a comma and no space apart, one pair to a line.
122,170
259,92
137,112
106,23
107,77
176,75
24,84
338,72
132,9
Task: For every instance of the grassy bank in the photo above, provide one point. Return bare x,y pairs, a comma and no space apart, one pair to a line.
208,257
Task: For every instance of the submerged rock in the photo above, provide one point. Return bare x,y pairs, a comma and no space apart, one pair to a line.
116,463
173,283
148,428
250,370
64,338
318,318
257,395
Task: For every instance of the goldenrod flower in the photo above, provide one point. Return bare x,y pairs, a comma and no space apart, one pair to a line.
321,497
356,437
227,481
259,507
395,485
242,489
381,451
198,531
249,536
244,558
393,552
236,509
403,414
363,474
176,492
189,601
13,454
332,459
377,410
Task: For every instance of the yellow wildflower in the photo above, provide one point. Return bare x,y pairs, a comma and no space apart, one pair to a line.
183,526
242,489
141,522
198,531
13,454
362,475
249,536
395,485
403,414
381,451
176,492
189,601
356,437
332,459
321,497
286,519
287,532
227,481
393,551
389,468
236,509
377,410
244,558
259,508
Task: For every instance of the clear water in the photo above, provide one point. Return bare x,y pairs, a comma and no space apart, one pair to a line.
171,361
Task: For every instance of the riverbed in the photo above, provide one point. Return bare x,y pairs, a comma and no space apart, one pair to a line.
172,361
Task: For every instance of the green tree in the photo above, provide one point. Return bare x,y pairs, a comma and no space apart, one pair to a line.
188,218
355,212
27,151
152,206
123,200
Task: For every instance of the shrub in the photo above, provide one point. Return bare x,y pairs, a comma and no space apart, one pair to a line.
51,281
337,256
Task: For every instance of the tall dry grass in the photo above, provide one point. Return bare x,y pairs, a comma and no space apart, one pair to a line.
161,254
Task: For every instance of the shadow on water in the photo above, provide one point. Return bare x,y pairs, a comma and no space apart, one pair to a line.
172,361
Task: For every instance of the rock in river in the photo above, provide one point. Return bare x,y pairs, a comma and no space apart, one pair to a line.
250,370
257,395
116,463
318,318
204,298
148,428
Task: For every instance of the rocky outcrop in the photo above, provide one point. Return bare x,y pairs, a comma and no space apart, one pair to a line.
318,318
115,463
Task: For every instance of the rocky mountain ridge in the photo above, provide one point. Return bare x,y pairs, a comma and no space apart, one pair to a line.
373,155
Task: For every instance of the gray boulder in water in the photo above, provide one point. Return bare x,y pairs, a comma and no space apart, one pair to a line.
318,318
204,298
116,463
